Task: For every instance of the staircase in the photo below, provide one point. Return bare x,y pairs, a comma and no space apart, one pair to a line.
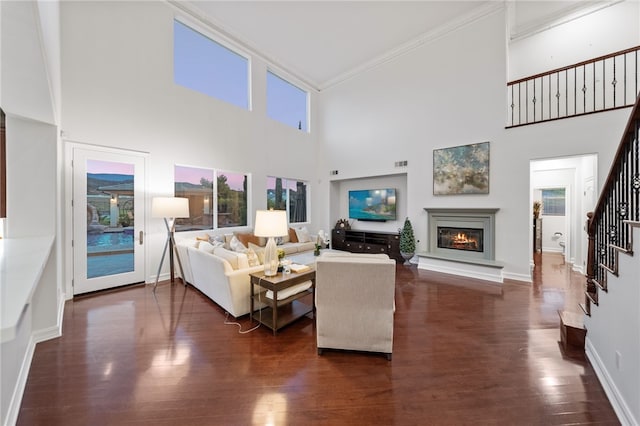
610,229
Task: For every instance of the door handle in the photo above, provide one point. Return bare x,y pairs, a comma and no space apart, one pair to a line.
141,237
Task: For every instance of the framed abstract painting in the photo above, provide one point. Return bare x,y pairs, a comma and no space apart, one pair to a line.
461,169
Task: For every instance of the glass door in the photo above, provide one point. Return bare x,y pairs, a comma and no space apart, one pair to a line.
108,217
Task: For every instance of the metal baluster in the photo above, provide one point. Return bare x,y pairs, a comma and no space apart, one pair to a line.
534,100
604,86
584,88
636,173
614,82
594,86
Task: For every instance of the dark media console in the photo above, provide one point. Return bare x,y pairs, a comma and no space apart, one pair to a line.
367,242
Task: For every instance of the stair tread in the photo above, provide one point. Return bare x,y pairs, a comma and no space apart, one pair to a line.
572,319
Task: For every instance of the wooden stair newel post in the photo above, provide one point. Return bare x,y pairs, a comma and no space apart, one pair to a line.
591,285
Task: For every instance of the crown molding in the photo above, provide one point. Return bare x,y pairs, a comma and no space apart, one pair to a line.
560,17
482,12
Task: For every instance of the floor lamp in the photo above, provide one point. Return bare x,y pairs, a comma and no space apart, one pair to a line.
170,209
270,224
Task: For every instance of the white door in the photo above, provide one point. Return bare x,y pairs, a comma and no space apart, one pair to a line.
108,219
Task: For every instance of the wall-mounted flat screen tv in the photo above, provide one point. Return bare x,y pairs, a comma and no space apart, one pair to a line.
373,204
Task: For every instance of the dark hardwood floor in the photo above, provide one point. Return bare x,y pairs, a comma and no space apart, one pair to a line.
465,352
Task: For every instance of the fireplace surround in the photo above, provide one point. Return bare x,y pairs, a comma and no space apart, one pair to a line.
461,241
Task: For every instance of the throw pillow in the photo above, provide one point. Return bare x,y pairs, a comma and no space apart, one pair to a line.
205,246
227,255
252,257
245,238
292,235
303,235
216,240
279,241
259,251
236,245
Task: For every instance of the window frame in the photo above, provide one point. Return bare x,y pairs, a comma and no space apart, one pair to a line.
217,200
288,197
219,39
291,81
191,210
546,204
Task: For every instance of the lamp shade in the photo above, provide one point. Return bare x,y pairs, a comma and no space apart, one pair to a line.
170,207
271,223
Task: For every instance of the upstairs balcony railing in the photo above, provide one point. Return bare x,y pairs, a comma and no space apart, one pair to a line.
601,84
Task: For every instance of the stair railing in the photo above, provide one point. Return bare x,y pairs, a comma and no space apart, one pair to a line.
609,225
600,84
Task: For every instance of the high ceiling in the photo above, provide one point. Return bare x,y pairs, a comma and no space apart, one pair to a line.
322,42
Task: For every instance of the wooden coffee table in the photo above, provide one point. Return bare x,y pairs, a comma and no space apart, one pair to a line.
278,313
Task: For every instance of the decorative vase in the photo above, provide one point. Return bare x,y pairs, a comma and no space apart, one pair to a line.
406,257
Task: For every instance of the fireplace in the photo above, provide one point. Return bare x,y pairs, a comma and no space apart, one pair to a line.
461,233
465,239
461,241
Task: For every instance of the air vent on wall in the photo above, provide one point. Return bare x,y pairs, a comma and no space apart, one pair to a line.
401,163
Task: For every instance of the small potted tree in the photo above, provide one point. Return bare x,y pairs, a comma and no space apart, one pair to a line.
407,242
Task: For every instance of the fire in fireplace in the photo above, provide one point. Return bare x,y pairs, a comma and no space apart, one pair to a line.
466,239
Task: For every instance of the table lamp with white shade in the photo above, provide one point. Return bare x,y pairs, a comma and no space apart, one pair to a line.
271,224
170,209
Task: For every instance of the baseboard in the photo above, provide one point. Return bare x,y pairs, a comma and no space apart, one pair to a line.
617,401
36,337
477,274
18,391
517,277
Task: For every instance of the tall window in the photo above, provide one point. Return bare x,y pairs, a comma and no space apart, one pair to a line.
553,202
197,185
201,64
232,199
286,102
290,195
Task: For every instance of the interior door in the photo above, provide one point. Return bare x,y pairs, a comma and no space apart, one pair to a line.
108,219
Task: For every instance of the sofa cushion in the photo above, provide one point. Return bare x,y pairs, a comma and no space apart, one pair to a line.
236,245
303,235
216,240
293,238
259,251
205,246
246,237
236,260
252,258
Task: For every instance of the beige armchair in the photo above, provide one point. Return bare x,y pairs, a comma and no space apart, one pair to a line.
355,302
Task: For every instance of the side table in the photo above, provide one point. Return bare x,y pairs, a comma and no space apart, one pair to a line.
279,313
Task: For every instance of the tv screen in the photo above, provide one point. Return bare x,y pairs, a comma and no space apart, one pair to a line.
373,204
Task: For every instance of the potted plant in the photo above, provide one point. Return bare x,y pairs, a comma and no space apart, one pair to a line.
537,205
407,242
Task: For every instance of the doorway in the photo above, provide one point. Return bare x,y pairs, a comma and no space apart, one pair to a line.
108,218
565,187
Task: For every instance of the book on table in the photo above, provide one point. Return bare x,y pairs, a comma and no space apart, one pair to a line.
296,267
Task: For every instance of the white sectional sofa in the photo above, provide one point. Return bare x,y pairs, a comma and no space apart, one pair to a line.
221,273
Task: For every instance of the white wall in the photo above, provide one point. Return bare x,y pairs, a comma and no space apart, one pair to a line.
118,91
430,98
27,84
614,328
569,41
